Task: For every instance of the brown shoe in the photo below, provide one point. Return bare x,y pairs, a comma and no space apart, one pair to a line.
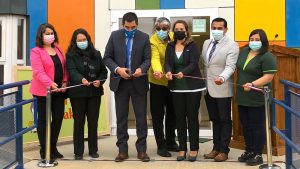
211,155
221,157
121,157
143,156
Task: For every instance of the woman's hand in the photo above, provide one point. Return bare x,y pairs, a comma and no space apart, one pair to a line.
179,75
169,76
54,87
157,75
64,84
85,82
247,87
96,83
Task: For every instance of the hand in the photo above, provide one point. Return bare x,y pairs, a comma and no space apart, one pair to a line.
122,72
219,81
138,72
85,82
157,75
96,83
169,76
54,87
247,87
179,75
63,86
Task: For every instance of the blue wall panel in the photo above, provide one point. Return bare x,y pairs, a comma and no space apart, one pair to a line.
172,4
37,10
292,23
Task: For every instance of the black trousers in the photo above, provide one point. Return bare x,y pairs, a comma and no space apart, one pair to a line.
253,123
85,107
58,110
161,107
186,106
125,92
219,111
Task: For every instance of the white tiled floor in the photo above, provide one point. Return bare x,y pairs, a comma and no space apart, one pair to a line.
108,151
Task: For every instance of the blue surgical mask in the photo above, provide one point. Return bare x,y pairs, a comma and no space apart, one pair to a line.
130,34
162,34
82,45
255,45
217,34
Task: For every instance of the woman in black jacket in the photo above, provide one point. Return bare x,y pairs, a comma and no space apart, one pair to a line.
85,66
181,60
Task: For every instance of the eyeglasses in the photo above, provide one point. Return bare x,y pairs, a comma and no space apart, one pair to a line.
163,28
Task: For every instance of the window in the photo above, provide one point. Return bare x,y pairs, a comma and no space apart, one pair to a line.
1,81
20,52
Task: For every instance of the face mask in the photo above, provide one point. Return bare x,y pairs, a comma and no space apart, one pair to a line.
130,34
217,34
179,35
255,45
162,34
48,39
82,45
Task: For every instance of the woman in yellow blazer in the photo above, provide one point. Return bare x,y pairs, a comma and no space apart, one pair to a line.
160,96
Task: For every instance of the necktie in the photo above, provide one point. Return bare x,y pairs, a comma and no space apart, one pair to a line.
212,50
128,52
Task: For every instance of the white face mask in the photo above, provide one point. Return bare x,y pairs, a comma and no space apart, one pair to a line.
255,45
217,34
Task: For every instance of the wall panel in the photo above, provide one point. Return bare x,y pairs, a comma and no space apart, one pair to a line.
268,15
66,17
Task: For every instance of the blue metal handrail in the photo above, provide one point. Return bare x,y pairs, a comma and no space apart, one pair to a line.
286,134
19,120
16,84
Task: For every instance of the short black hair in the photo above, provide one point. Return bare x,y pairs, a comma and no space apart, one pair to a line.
129,17
220,20
263,38
39,34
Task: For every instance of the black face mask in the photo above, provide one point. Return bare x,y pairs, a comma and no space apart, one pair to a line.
179,35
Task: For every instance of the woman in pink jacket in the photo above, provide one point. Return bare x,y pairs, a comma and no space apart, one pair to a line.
48,69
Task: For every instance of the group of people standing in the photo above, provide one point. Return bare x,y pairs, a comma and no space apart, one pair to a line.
168,61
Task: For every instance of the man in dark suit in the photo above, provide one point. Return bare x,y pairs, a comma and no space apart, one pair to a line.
127,55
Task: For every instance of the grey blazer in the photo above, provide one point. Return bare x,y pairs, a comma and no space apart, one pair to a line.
115,55
222,63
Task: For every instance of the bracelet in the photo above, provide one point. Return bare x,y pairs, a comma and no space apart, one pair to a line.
253,85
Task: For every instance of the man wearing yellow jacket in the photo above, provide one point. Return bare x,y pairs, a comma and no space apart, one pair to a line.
160,96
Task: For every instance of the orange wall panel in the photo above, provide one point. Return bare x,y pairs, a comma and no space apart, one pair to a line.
66,16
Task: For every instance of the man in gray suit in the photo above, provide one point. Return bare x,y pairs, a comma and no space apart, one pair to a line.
127,55
220,55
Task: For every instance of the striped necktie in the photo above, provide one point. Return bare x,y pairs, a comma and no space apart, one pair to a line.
212,50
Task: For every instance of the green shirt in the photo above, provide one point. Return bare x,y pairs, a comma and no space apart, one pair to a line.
249,71
180,84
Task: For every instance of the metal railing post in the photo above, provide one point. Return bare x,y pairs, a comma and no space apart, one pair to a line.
269,164
19,127
48,162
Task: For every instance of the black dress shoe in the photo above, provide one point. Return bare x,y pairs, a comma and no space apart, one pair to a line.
94,155
57,154
143,156
164,153
173,147
121,157
246,156
78,157
255,160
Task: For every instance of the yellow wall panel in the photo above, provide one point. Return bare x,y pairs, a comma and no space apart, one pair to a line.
265,14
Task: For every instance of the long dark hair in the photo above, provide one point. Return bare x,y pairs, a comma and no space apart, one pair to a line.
263,38
39,34
73,44
188,38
